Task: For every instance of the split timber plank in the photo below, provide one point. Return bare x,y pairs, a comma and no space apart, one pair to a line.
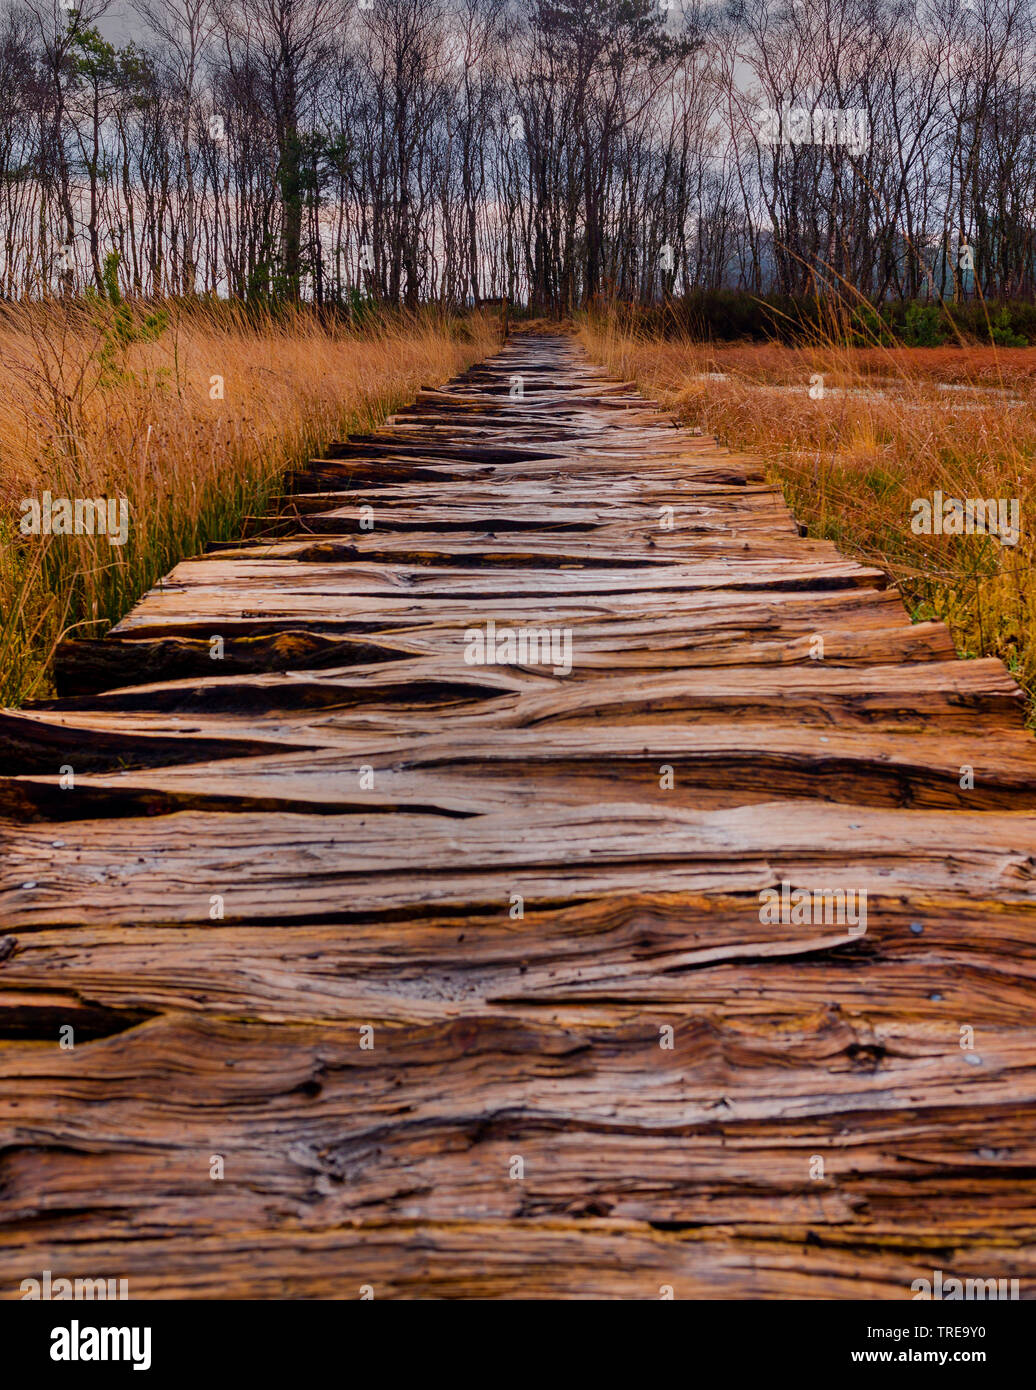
364,804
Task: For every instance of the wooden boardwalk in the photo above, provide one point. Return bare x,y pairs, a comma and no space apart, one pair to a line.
305,818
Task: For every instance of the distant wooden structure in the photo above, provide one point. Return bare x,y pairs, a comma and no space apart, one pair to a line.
457,976
503,303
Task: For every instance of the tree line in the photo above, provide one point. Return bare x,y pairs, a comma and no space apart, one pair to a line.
557,152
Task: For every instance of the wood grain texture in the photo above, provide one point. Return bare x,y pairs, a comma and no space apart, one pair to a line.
535,890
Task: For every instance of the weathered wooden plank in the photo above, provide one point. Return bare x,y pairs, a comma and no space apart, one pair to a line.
87,668
575,1258
281,866
690,956
472,774
858,627
775,609
203,591
718,1132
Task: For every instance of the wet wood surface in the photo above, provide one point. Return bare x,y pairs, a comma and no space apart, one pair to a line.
392,971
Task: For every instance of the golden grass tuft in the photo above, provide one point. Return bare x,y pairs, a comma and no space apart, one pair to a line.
103,401
887,431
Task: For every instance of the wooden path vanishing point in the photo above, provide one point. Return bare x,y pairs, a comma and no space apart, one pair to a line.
367,806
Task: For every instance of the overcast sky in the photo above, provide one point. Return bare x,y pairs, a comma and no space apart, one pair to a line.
120,24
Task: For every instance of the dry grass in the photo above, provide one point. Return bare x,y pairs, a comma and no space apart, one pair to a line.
99,402
884,434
